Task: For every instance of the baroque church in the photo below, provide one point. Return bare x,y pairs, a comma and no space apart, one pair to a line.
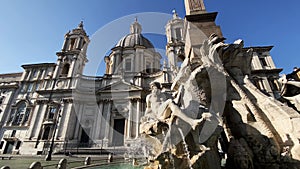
56,101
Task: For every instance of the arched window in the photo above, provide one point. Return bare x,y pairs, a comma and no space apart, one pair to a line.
20,115
26,116
65,70
21,108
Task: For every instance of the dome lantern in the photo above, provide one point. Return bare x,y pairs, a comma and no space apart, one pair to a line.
135,27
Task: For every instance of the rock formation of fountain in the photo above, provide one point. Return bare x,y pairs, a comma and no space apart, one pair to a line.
216,114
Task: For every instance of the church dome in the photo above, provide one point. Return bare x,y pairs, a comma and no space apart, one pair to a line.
135,38
132,40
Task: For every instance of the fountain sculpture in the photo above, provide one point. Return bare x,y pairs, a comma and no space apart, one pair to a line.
216,118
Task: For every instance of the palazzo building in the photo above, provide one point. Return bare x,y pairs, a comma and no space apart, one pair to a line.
57,101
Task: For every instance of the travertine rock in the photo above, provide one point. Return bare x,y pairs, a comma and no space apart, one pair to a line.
201,126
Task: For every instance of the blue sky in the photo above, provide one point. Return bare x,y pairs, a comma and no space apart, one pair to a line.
32,31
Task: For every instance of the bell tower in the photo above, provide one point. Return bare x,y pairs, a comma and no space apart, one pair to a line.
175,41
72,57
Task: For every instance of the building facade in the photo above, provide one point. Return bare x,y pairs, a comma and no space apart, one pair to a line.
56,101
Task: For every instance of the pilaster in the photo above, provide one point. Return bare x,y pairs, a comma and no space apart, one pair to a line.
99,121
107,124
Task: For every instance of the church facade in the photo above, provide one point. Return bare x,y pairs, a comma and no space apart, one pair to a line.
55,101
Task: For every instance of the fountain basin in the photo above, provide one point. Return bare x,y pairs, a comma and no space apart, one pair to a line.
118,166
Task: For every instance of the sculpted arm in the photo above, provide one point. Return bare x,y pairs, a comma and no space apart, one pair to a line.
148,104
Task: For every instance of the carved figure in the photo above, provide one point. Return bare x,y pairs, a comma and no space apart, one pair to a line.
295,75
199,101
165,110
290,91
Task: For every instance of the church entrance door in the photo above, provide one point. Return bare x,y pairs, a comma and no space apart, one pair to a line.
118,133
9,147
84,139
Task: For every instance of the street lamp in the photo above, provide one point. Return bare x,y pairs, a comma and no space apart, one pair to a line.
50,150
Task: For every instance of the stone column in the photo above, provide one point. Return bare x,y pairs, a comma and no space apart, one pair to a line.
99,121
113,65
171,58
118,61
38,125
270,61
78,44
43,74
138,116
24,75
103,120
137,65
79,114
57,68
64,121
28,75
107,124
38,74
65,44
72,67
33,118
129,121
142,61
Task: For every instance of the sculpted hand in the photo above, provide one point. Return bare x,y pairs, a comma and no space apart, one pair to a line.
206,116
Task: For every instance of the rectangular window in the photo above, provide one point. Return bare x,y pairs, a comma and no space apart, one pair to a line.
273,84
263,62
52,112
34,73
128,65
18,145
30,87
24,87
178,34
37,85
256,82
148,65
72,43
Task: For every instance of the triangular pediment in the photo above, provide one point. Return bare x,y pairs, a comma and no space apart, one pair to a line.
120,86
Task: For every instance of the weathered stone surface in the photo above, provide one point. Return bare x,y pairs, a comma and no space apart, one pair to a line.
87,161
5,167
62,164
251,131
36,165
